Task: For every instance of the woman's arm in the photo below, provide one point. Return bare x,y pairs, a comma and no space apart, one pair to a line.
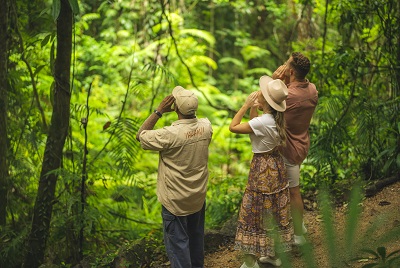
253,111
243,128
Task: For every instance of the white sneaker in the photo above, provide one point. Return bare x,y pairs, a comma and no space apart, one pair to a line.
303,228
254,266
276,262
299,240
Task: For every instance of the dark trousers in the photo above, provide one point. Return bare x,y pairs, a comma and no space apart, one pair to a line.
184,238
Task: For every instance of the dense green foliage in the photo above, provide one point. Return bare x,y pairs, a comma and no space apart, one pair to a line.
130,54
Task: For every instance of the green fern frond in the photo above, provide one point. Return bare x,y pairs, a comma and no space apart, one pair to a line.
253,52
259,71
90,16
124,148
79,111
199,59
160,70
233,61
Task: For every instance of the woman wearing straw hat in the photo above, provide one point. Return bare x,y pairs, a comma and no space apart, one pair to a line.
264,224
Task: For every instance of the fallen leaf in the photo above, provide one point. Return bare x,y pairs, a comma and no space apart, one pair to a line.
384,203
106,125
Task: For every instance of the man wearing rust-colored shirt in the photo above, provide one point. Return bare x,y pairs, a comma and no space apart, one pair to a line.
301,102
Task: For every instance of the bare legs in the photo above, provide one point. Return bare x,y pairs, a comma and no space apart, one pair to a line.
297,207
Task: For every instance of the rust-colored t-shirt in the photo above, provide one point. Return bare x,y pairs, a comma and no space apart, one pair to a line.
300,105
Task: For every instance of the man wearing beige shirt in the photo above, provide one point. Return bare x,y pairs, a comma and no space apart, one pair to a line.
182,175
301,102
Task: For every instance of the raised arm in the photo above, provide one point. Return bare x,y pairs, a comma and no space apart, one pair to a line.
163,107
281,73
243,128
253,111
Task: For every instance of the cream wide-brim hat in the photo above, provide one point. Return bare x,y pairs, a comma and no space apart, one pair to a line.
274,91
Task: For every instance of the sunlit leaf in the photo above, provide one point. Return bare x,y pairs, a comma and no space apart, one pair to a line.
201,34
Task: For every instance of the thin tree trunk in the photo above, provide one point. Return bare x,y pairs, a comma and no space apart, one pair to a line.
55,141
212,31
396,89
3,109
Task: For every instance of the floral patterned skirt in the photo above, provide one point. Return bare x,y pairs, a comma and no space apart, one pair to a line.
264,224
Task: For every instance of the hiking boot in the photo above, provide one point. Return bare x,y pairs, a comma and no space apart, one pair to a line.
299,240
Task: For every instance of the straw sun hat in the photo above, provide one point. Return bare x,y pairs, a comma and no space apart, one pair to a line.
275,92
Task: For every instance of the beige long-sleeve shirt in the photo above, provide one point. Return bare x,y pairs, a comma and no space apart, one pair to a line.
183,163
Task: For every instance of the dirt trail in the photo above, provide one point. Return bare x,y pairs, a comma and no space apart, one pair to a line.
385,205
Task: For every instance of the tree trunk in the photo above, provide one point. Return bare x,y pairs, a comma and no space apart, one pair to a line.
55,141
3,109
396,89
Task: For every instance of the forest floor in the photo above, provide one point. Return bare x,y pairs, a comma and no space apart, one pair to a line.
383,207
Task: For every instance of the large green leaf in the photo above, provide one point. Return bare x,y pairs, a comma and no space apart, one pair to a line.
55,9
231,60
74,6
201,34
253,52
